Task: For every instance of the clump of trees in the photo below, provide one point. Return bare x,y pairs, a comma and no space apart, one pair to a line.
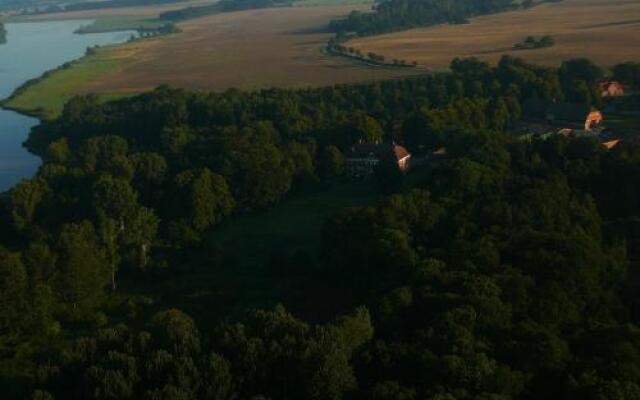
532,43
270,354
628,73
164,29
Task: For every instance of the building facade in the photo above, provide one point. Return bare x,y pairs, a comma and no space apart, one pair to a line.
362,159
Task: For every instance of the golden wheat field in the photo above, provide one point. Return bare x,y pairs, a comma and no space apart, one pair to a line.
607,31
278,47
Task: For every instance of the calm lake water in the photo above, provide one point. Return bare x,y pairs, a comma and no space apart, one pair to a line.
31,50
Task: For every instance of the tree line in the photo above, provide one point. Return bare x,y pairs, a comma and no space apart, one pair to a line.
99,5
503,272
335,47
221,6
397,15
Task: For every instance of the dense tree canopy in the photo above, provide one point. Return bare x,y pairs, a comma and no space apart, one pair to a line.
503,270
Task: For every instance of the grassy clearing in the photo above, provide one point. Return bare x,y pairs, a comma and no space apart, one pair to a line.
295,224
236,277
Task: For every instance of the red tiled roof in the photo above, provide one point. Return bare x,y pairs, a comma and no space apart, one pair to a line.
611,144
400,152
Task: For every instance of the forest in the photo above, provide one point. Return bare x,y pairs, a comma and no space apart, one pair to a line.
3,33
221,6
506,270
97,5
395,15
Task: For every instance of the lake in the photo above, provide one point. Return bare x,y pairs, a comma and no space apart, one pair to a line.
31,50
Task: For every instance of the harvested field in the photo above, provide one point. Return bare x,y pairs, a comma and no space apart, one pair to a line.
607,31
278,47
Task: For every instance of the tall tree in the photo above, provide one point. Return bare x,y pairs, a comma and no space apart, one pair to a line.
85,271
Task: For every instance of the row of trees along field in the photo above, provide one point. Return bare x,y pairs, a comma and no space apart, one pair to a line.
506,271
394,15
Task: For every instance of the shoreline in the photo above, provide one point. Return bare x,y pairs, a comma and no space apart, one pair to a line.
33,42
38,113
94,55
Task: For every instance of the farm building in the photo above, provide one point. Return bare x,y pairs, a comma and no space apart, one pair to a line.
594,119
611,88
362,159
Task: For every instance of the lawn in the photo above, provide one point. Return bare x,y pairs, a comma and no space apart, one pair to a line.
236,277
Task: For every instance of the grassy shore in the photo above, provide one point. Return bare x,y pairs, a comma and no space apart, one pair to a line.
46,96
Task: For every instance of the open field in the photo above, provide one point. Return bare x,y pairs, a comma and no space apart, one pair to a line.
121,23
247,50
606,31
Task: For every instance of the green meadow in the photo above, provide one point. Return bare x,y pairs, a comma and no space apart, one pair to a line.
45,97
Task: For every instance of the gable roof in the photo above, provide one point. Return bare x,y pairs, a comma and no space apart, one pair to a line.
400,152
611,144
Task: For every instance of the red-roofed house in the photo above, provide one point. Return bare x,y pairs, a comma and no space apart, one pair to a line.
594,119
611,144
611,88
